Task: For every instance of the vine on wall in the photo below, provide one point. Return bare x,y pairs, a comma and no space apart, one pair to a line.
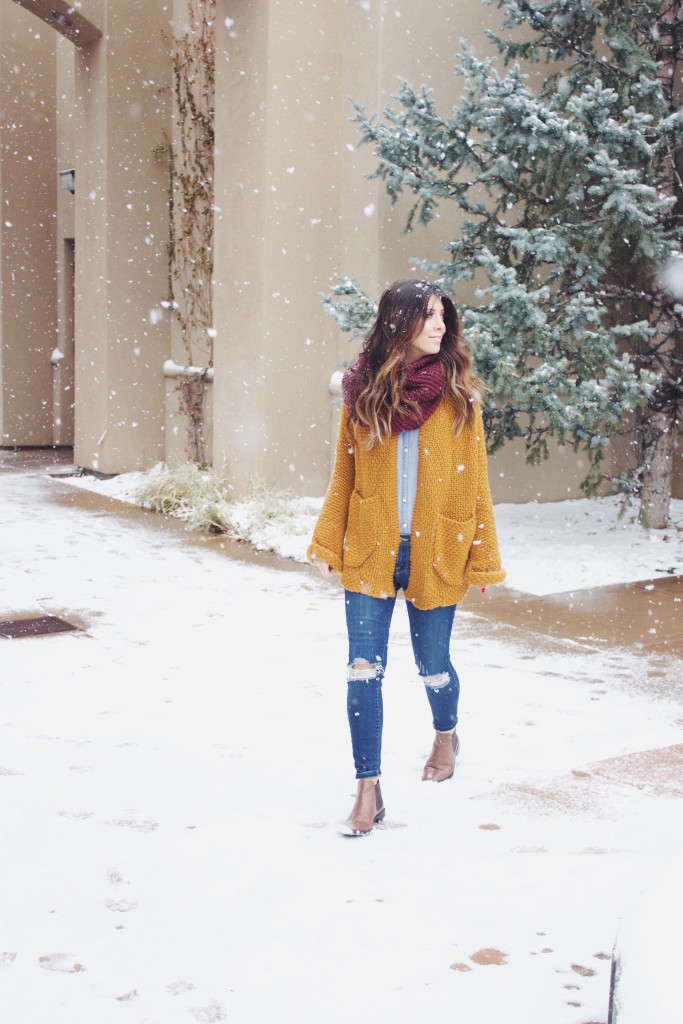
191,168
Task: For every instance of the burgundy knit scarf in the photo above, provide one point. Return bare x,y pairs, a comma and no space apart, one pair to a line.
423,383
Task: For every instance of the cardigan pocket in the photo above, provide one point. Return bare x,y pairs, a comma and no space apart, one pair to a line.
452,541
362,529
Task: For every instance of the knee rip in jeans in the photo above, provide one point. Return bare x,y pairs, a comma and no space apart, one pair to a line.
362,671
437,681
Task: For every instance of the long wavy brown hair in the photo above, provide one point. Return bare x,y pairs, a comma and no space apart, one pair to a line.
401,316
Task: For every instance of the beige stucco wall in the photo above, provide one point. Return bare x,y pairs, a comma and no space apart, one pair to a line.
63,365
121,229
296,211
28,186
278,116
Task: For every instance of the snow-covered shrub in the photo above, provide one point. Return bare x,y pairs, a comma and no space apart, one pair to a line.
195,495
268,519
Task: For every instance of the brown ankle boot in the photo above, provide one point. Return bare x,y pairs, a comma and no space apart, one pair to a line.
367,811
441,762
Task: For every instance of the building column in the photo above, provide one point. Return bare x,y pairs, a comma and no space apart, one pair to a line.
28,189
288,202
121,230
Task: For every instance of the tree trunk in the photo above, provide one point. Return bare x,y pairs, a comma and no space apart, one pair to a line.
659,421
656,469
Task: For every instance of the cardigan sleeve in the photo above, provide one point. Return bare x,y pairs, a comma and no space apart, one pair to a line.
328,536
483,565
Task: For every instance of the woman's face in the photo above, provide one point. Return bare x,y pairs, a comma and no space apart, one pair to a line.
428,341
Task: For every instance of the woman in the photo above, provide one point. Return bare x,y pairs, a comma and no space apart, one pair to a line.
408,507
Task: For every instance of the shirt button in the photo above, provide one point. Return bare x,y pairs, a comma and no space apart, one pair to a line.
405,450
404,501
405,476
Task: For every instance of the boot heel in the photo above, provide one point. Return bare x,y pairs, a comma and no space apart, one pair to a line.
379,817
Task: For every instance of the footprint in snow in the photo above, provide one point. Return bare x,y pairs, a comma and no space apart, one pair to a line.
585,972
65,962
488,957
178,987
135,823
128,997
209,1014
114,877
121,906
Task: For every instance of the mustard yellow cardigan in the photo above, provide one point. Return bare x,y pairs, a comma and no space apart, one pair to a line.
453,538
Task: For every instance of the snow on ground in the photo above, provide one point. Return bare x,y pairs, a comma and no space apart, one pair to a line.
170,781
593,543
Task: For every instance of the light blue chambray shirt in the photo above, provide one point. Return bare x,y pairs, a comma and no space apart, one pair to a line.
406,466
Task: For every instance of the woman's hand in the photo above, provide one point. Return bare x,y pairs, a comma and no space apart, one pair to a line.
325,570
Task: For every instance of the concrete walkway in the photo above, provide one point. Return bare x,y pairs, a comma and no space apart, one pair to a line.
646,616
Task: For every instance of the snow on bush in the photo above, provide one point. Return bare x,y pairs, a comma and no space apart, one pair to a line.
547,547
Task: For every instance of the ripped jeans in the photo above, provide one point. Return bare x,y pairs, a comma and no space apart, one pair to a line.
368,620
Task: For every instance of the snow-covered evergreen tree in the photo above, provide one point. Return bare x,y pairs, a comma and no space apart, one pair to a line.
573,202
